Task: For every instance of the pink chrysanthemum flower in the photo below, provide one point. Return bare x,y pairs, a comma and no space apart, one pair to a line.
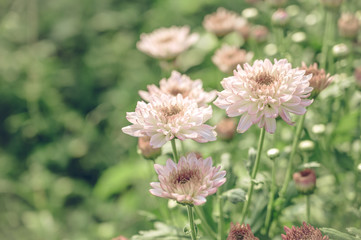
180,84
221,22
167,117
167,43
241,232
264,91
319,81
305,232
188,182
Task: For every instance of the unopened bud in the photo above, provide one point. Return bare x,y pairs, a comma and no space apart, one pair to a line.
226,128
273,153
348,25
340,50
305,181
147,151
319,129
306,146
235,195
280,17
331,4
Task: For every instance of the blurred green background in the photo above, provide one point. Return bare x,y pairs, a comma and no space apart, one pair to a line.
69,71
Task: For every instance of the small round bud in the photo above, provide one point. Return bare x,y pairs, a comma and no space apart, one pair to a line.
319,129
235,195
276,3
305,181
340,50
306,146
348,25
147,151
259,33
226,128
273,153
280,17
331,4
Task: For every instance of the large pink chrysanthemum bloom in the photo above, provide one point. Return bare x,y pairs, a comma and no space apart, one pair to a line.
305,232
188,182
180,84
264,91
167,117
167,43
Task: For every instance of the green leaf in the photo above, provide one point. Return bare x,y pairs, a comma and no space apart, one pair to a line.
337,235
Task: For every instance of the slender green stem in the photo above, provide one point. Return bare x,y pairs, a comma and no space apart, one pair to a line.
221,219
271,198
191,222
205,224
308,209
174,147
183,148
253,175
292,156
327,38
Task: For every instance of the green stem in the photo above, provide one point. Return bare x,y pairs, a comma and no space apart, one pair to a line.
253,175
271,198
221,219
308,209
174,148
292,156
191,222
205,224
327,38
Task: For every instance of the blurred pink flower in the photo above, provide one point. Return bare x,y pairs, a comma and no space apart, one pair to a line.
180,84
167,43
243,232
188,182
228,57
320,80
167,117
348,25
264,91
305,181
306,232
221,22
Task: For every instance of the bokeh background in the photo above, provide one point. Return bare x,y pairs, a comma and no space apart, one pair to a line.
70,70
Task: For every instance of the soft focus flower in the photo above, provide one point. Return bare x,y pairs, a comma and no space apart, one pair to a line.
357,75
147,151
333,4
305,232
220,22
306,146
264,91
188,182
348,25
305,181
228,57
319,81
276,3
226,128
167,117
179,84
167,43
340,50
280,17
259,33
273,153
241,232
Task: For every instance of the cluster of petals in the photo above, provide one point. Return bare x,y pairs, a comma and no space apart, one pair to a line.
306,232
180,84
238,232
228,57
167,43
222,22
320,80
166,117
188,182
262,92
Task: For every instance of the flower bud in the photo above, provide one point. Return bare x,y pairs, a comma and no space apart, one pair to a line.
319,80
280,17
319,129
340,50
305,181
348,25
273,153
259,33
306,146
147,151
235,195
331,4
226,128
357,75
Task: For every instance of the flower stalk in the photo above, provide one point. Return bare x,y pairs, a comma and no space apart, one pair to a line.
174,148
308,208
205,224
253,175
221,219
191,222
271,198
